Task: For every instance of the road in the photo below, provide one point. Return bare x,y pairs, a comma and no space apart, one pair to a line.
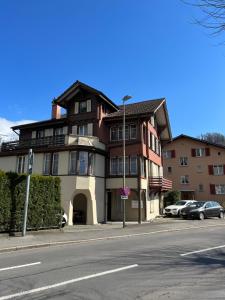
186,264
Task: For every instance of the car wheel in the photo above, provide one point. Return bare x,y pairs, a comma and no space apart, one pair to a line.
221,215
201,216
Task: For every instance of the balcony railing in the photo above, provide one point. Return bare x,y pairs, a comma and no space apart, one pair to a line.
160,183
57,140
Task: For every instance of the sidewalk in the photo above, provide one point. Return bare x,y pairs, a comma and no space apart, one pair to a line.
90,233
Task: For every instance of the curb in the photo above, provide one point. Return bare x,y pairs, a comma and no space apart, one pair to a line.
70,242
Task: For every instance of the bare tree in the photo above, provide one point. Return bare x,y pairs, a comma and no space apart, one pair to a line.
214,14
214,137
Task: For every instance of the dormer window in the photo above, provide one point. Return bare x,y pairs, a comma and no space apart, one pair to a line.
82,107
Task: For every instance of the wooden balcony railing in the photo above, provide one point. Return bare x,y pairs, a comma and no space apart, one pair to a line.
160,183
57,140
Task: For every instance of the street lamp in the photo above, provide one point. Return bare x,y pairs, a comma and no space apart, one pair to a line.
124,99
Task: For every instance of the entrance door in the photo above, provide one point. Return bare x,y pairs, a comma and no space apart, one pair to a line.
80,209
187,195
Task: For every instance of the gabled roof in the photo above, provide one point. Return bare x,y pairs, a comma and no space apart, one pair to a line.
80,85
143,107
197,140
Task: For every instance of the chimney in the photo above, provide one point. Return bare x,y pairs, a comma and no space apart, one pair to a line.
56,114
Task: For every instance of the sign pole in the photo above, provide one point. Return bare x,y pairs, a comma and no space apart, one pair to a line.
29,171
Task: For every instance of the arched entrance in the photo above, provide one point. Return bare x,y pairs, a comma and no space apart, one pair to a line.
80,209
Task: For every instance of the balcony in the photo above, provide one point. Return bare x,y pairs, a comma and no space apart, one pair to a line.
160,183
53,141
49,141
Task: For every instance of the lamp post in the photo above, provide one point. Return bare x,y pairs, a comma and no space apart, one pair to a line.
125,98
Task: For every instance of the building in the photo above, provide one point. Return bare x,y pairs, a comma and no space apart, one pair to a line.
83,146
196,167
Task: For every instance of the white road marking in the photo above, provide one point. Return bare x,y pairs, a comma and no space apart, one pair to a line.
20,266
202,250
44,288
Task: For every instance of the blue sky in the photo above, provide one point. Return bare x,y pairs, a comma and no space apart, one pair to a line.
148,48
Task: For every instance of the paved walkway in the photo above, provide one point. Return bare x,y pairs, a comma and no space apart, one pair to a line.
89,233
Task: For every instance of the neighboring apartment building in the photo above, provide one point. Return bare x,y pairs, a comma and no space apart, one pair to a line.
84,148
196,167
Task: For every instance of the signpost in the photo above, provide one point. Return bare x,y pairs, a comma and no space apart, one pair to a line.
29,172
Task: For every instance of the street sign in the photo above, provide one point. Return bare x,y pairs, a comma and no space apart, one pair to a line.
124,197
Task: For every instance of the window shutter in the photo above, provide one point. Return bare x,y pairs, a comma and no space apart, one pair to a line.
173,153
76,108
74,129
210,168
89,105
90,129
33,134
207,151
193,153
212,189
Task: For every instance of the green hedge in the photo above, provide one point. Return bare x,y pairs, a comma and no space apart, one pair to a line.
44,210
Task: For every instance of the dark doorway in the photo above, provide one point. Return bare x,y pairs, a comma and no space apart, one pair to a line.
80,209
187,195
109,206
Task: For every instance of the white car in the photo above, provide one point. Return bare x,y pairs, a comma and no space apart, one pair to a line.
174,210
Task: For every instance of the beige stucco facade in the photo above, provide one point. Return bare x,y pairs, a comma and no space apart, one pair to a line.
197,168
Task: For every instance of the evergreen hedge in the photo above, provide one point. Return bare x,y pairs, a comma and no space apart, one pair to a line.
44,210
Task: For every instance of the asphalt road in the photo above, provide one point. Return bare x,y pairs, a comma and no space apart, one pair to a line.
155,266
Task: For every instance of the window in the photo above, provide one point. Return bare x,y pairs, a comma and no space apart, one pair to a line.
183,161
200,188
113,166
133,132
169,169
152,142
169,154
82,166
218,170
83,130
20,168
142,162
184,179
120,132
55,163
116,132
59,131
91,163
113,134
220,189
133,165
40,134
47,164
199,169
73,162
200,152
83,106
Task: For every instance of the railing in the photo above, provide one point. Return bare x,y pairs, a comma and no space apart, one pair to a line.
57,140
160,183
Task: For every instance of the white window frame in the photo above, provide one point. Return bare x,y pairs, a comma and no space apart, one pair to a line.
183,161
184,179
218,170
55,163
81,109
167,154
200,152
82,160
220,189
47,164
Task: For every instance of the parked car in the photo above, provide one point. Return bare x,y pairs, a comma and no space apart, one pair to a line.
202,210
174,210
